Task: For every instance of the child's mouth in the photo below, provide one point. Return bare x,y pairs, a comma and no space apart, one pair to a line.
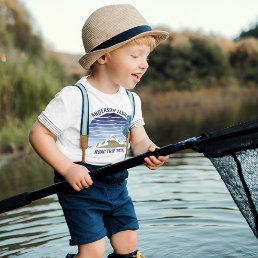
136,77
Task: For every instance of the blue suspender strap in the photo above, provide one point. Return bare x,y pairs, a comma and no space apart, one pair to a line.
85,110
84,131
131,97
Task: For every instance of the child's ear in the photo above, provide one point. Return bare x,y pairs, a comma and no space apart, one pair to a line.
103,59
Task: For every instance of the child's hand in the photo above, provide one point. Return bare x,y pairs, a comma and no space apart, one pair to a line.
152,162
78,177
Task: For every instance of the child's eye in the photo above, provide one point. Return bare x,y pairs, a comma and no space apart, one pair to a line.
134,56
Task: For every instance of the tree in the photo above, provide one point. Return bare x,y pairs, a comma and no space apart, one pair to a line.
252,32
187,62
15,27
244,60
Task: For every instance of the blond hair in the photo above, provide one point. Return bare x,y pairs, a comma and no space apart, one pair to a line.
144,40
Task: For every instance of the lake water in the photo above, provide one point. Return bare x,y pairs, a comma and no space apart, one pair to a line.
183,208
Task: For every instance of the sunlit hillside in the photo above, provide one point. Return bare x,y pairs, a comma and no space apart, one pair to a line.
69,62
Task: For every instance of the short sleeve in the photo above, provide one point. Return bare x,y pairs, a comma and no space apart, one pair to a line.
58,114
138,119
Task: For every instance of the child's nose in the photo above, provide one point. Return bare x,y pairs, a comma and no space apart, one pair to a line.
144,64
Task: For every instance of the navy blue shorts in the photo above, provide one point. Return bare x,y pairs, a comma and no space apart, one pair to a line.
101,210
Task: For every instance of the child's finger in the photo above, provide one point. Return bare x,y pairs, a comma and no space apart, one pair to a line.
151,162
84,183
156,161
148,162
80,184
152,148
163,158
89,180
76,187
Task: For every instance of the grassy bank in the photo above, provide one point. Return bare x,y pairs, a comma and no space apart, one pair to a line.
175,104
14,135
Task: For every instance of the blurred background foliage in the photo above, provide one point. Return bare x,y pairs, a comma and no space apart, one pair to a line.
192,61
31,74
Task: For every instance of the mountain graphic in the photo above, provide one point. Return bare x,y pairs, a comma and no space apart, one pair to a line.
112,142
108,131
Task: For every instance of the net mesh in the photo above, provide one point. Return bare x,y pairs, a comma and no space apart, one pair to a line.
234,153
239,171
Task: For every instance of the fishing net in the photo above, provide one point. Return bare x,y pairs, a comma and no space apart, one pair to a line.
240,175
234,153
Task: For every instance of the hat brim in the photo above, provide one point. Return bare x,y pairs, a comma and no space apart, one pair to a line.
89,58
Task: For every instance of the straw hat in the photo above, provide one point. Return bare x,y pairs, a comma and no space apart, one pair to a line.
112,26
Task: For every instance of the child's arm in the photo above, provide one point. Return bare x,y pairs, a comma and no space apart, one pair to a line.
140,143
44,144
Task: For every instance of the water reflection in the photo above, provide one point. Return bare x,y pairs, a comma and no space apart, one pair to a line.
26,228
24,174
179,124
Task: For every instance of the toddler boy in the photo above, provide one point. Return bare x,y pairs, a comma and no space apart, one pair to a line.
99,114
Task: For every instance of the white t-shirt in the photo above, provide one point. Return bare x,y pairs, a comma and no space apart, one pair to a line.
108,123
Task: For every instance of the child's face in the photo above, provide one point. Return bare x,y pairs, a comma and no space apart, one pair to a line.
126,65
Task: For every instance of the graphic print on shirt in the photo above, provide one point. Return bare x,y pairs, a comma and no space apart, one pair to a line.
108,130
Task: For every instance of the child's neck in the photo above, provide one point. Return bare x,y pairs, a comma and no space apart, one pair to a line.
103,84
